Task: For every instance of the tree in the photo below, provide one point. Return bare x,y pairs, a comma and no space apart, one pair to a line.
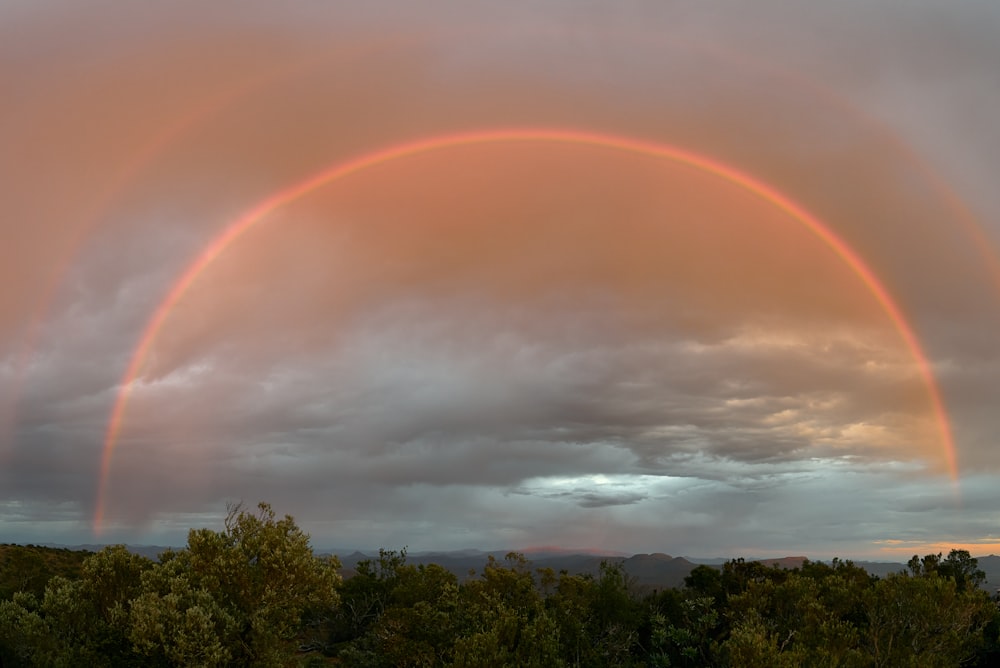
801,620
263,573
705,581
24,635
420,624
503,619
616,614
960,566
28,568
923,617
87,620
238,596
363,600
570,605
688,640
738,574
176,622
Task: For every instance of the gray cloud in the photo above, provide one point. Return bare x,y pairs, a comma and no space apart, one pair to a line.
506,345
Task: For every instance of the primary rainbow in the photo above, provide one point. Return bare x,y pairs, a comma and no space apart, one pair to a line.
652,149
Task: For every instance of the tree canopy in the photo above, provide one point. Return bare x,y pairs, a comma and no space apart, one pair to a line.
255,594
242,596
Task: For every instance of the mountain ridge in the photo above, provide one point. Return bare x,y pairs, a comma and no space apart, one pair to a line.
648,570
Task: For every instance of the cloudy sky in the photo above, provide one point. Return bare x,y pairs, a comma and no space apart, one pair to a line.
708,278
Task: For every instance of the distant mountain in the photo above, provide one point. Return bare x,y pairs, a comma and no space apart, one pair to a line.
784,562
556,551
991,566
452,553
650,571
658,570
881,568
150,551
29,567
708,561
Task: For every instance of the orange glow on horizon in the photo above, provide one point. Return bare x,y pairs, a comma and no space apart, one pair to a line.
651,149
899,548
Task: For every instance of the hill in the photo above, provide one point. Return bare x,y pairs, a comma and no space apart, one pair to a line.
991,566
29,567
649,571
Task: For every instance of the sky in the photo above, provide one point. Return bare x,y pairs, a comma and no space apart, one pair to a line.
710,279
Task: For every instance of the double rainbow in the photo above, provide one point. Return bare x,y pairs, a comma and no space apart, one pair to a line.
218,245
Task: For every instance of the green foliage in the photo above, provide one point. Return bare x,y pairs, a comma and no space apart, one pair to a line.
28,568
706,581
959,565
363,600
799,620
253,594
923,621
24,636
685,641
570,605
177,622
239,597
504,618
262,579
77,621
419,621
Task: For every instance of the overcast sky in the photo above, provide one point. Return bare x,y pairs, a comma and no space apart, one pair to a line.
504,344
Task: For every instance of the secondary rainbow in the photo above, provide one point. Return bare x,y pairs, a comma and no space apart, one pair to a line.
439,142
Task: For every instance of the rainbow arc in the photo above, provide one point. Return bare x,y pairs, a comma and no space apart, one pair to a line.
258,213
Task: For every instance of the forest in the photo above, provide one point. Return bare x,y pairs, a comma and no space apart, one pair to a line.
256,594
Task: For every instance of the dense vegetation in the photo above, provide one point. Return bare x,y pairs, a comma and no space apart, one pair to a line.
237,597
28,568
254,594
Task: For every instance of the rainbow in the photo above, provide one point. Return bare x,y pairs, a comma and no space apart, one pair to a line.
241,225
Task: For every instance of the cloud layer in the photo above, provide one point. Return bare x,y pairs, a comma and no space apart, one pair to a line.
508,344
